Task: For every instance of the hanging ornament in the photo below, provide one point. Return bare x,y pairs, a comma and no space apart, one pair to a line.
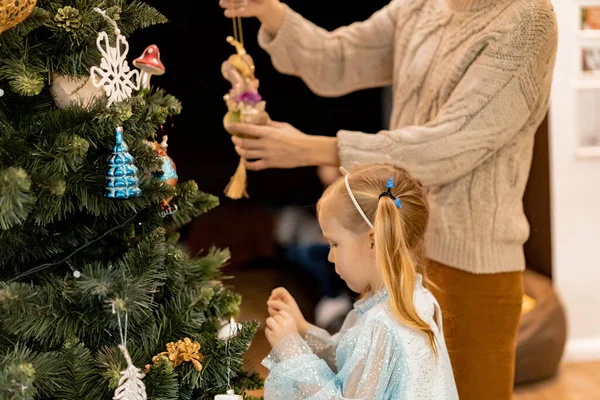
13,12
121,180
183,351
130,385
68,18
67,90
167,173
229,330
226,333
149,64
244,103
114,73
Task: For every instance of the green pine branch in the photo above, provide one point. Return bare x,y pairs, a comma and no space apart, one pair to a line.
16,200
137,15
162,382
25,76
83,309
38,18
80,372
159,105
194,271
25,374
191,203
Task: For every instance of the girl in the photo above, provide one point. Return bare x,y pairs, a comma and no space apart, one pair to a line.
391,345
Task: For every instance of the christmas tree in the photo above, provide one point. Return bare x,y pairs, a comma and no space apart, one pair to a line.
84,271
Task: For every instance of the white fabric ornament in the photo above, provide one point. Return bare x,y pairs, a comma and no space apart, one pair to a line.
114,73
81,91
230,330
131,386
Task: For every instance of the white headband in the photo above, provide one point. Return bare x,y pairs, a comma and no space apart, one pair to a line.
360,211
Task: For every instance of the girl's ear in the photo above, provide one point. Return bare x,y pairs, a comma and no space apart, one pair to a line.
372,238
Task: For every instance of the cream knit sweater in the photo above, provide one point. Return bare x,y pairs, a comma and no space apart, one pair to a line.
471,83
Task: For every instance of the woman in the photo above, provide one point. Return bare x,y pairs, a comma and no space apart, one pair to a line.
471,83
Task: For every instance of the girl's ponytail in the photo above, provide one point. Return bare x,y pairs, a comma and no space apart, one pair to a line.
398,267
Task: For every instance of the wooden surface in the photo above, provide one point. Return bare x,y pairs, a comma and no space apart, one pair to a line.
574,382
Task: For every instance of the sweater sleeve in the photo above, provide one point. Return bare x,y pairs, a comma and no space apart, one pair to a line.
353,57
503,92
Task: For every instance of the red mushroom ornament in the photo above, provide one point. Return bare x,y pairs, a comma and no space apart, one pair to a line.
149,64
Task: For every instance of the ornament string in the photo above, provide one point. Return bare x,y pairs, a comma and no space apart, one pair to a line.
109,19
67,258
130,386
228,358
240,33
237,28
122,332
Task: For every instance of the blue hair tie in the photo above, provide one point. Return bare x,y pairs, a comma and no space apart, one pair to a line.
390,185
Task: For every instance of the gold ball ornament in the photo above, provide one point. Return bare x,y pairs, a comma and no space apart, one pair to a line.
232,117
13,12
249,116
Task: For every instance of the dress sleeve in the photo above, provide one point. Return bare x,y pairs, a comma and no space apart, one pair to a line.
296,372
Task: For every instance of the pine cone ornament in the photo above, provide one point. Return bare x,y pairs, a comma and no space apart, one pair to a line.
68,18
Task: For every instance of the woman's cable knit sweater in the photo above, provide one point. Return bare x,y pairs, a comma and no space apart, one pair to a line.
471,82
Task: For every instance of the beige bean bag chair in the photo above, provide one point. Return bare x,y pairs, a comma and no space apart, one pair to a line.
542,330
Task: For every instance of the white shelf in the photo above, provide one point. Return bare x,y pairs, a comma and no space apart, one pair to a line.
587,83
589,34
588,3
588,152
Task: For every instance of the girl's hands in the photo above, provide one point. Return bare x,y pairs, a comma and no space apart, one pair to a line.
281,302
279,326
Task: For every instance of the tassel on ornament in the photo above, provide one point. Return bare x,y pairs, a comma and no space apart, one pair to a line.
121,180
236,189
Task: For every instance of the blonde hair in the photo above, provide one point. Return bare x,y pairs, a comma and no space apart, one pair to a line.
398,232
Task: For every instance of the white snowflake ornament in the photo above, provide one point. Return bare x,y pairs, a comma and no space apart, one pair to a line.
131,386
114,73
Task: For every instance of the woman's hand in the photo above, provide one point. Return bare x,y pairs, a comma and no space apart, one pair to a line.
328,174
279,326
281,301
280,145
269,12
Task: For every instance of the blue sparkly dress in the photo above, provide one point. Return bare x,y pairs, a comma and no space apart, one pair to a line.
372,357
